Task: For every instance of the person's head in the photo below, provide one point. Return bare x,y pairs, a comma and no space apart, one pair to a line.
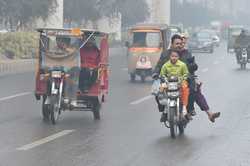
91,43
176,42
62,42
174,56
184,40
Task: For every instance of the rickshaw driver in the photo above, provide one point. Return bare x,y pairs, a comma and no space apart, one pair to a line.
63,43
90,58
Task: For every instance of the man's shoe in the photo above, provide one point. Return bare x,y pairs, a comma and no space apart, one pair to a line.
213,116
193,113
188,116
164,117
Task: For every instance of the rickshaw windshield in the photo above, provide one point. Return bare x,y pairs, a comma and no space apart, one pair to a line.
60,51
146,39
61,45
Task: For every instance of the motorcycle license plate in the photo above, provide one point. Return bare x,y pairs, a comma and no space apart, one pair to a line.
172,103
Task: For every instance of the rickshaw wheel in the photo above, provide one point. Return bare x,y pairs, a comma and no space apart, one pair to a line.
143,78
96,110
132,77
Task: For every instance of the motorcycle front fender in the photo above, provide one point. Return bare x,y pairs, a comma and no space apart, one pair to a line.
172,103
48,100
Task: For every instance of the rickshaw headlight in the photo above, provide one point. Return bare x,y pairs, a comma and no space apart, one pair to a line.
56,74
143,59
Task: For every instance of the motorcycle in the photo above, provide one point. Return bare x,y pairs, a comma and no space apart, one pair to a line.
169,95
242,57
56,80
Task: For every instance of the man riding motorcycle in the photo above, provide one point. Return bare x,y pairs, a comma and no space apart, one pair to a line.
242,40
195,95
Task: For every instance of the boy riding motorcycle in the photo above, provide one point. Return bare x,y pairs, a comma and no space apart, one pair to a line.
175,67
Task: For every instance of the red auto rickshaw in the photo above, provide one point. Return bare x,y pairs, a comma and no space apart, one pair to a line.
72,71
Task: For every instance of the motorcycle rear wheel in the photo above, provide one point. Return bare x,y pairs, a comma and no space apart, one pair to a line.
243,66
181,128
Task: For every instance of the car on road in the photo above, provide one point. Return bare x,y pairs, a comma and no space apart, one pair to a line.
201,42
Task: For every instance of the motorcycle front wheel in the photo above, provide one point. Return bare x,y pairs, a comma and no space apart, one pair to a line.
54,110
172,124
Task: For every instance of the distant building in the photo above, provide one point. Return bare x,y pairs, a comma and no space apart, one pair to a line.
159,11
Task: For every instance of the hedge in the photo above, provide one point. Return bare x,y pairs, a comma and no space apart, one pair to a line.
19,45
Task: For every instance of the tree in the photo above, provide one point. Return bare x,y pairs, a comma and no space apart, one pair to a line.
130,10
79,10
18,13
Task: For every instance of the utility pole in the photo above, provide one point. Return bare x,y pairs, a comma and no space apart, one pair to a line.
55,20
161,11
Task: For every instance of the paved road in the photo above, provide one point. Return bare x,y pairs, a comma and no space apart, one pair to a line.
129,133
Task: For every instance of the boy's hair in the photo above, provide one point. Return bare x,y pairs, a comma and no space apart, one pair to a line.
174,51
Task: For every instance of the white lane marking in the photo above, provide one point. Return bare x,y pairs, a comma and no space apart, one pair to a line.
141,100
15,96
124,69
204,70
45,140
216,62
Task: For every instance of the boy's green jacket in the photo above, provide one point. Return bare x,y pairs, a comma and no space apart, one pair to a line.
179,69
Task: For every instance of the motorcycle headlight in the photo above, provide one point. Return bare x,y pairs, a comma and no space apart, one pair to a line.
56,74
174,94
173,86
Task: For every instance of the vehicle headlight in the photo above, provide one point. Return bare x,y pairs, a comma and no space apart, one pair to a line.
143,59
56,74
174,94
207,43
173,86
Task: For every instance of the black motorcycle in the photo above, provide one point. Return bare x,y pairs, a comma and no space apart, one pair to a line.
242,56
53,103
169,95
